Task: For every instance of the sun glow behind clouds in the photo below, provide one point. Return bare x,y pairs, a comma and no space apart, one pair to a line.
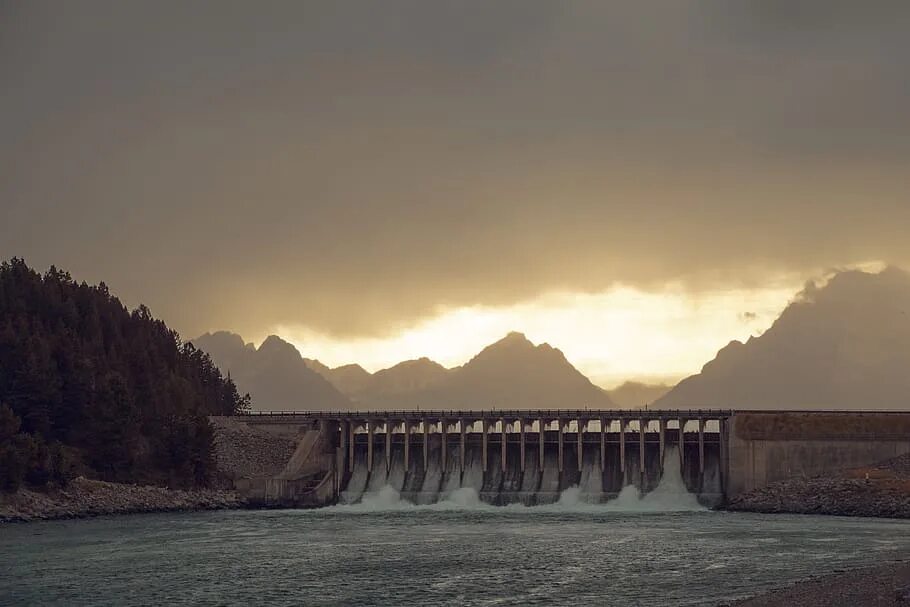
617,335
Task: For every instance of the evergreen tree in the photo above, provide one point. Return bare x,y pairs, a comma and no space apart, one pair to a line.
91,386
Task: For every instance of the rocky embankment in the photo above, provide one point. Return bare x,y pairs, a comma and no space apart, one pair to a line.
880,586
85,498
882,490
243,451
239,451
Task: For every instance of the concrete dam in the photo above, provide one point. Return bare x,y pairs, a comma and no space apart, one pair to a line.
532,457
516,462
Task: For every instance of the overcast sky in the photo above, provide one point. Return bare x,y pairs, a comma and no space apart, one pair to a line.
353,169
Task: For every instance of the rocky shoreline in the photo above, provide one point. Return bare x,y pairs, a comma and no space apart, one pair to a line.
880,586
881,491
240,451
83,498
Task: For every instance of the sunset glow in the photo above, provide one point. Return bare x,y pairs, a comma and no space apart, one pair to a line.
617,335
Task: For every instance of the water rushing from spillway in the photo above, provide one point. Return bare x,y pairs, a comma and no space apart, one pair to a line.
449,489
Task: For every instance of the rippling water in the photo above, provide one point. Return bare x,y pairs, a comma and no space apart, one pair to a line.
388,553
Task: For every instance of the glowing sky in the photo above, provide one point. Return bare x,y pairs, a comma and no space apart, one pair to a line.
626,180
620,334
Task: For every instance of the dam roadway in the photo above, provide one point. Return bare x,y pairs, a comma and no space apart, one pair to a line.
530,456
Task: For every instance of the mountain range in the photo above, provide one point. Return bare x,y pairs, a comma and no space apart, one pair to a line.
511,373
840,344
275,374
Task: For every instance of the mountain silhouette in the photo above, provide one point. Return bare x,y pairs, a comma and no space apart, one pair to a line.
512,373
845,344
351,380
275,375
392,387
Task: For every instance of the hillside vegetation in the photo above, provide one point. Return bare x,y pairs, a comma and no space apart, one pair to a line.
88,387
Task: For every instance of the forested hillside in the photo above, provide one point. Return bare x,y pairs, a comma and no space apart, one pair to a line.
88,387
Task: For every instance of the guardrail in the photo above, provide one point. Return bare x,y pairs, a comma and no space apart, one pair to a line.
556,413
497,413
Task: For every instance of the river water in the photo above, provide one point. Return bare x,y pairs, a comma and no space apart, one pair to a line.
460,552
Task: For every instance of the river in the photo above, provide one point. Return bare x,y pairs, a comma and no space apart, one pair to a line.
385,552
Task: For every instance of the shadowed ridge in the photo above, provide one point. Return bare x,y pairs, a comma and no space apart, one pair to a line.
351,380
407,376
275,374
844,344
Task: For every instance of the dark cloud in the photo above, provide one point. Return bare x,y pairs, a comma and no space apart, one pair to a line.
352,166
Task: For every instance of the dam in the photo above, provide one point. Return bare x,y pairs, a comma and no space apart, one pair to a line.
526,457
532,457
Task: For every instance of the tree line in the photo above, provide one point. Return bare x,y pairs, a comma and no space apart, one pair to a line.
89,387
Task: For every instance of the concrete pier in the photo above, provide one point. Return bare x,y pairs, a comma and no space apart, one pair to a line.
662,439
461,445
369,445
388,446
426,444
541,437
582,423
485,438
681,443
622,451
641,452
701,453
407,445
503,459
521,430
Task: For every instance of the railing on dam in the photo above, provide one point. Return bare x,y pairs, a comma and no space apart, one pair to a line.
478,414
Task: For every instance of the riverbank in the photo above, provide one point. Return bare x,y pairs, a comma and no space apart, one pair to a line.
880,586
239,452
881,490
83,498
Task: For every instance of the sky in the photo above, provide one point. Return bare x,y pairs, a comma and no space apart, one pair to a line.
635,182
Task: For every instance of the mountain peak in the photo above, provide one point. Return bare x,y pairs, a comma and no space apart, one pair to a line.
512,341
222,338
515,337
275,374
274,345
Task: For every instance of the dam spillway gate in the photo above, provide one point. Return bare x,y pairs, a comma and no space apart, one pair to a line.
527,457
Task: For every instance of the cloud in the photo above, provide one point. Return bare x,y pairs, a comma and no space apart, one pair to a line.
356,169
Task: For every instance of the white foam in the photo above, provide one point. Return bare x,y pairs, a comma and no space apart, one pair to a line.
670,495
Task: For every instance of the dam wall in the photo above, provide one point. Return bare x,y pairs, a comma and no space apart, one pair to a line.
526,457
532,457
768,446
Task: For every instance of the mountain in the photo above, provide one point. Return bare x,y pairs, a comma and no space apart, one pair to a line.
88,387
351,380
275,375
408,376
512,373
385,388
844,344
635,395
